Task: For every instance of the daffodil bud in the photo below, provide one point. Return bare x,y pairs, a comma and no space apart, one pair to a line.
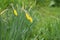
29,17
15,12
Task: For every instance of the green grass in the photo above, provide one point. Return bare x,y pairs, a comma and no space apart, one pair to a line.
45,26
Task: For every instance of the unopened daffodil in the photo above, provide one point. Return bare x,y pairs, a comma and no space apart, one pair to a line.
15,12
29,17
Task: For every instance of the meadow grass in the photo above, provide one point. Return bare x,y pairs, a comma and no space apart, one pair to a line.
45,25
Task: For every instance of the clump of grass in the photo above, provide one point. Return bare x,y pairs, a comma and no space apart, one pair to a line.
43,25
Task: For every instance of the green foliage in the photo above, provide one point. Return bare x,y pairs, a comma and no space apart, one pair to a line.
43,2
57,2
45,26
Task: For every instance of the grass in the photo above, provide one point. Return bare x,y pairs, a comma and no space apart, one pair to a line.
45,26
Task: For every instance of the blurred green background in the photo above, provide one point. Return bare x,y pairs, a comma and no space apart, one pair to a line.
45,15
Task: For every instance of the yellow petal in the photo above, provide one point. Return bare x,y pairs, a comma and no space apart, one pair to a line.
29,17
15,13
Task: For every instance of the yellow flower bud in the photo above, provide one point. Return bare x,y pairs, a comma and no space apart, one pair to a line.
15,12
29,17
